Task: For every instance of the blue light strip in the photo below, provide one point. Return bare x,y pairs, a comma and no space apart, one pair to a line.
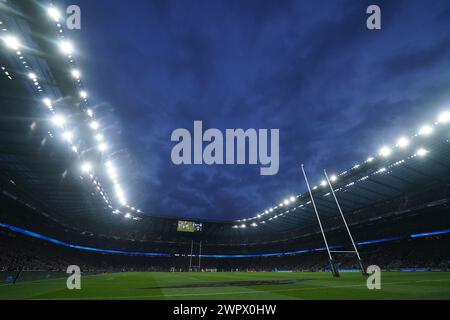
65,244
217,256
426,234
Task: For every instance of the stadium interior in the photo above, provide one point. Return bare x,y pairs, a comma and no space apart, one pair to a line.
54,214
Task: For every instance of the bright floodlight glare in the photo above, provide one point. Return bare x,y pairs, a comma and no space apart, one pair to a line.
102,147
385,152
286,201
94,125
66,47
54,13
99,137
128,216
83,94
444,117
11,42
86,167
333,178
292,199
76,73
421,152
370,159
323,183
254,224
243,226
426,130
32,76
403,142
59,120
47,102
68,136
90,113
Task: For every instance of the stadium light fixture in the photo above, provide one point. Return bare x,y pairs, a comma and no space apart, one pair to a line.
86,167
370,159
421,152
90,113
11,42
54,13
32,76
68,136
323,183
385,152
102,147
66,47
75,149
286,202
58,120
403,142
426,130
444,117
76,73
292,199
47,102
333,178
83,94
99,137
243,226
128,216
94,125
254,224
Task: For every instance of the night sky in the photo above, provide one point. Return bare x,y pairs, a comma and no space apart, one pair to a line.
336,90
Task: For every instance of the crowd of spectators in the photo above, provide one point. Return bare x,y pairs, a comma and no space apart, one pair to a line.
22,252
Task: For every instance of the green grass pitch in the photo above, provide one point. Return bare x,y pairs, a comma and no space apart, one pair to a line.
238,285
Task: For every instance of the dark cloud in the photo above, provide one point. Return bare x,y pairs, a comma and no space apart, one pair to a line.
336,90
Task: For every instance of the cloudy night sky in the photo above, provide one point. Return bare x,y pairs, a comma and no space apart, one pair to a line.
336,90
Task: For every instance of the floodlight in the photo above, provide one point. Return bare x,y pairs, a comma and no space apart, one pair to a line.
32,76
66,47
102,147
385,152
68,136
11,42
54,13
243,226
76,73
403,142
94,125
99,137
254,224
86,167
426,130
47,102
421,152
83,94
128,216
444,117
323,183
333,178
58,120
286,202
90,113
292,199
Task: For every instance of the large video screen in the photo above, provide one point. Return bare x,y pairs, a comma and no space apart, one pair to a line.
189,226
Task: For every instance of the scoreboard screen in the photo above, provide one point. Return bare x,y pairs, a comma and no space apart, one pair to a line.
189,226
